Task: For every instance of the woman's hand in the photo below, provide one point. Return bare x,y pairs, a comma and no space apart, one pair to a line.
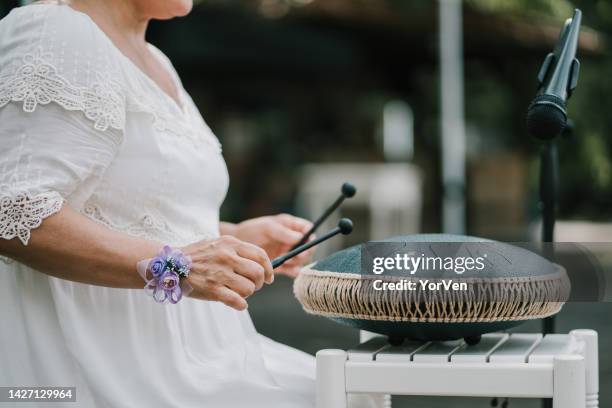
227,270
276,234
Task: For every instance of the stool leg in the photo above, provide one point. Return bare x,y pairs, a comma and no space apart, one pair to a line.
569,382
591,363
331,381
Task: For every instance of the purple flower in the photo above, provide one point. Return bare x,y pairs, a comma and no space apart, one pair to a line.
168,288
169,281
166,252
167,268
157,266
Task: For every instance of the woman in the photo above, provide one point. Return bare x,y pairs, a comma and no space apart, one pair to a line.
104,159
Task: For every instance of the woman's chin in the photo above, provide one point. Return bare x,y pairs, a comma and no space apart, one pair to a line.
182,8
165,10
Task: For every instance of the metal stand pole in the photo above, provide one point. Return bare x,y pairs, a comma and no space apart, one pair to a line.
549,185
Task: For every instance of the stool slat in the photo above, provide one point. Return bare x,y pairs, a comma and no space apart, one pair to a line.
367,351
403,353
552,345
479,353
437,352
516,349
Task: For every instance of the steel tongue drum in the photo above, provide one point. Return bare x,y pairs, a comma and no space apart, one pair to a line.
433,287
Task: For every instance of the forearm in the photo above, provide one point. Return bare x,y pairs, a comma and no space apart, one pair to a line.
70,246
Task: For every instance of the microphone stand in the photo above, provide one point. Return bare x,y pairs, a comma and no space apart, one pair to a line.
563,80
549,108
549,185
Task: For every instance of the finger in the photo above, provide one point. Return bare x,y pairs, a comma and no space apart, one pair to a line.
230,298
282,234
252,271
258,255
291,271
219,293
295,263
239,284
295,223
302,258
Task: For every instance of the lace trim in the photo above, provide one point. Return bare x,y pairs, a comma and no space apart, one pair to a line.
37,81
21,212
146,227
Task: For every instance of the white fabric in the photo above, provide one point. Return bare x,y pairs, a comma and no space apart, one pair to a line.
81,124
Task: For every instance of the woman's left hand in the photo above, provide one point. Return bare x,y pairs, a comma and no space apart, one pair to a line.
276,234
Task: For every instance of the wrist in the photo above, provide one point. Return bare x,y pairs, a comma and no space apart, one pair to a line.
228,228
166,275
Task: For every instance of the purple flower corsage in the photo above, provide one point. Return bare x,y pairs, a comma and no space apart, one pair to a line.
165,275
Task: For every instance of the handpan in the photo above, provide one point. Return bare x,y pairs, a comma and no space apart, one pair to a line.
515,286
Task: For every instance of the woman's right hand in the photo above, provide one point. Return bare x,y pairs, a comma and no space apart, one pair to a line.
227,270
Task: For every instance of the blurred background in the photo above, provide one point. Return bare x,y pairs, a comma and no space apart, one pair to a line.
421,104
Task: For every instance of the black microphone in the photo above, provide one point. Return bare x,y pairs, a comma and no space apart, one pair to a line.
558,77
345,227
347,191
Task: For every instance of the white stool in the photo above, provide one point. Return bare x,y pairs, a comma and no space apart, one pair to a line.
563,367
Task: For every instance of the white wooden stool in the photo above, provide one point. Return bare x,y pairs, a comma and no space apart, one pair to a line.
563,367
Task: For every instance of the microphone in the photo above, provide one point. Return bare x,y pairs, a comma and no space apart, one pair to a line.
557,78
345,227
347,191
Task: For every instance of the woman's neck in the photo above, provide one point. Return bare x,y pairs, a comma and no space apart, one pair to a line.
121,20
125,24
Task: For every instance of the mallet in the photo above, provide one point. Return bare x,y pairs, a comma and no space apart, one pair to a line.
347,191
345,227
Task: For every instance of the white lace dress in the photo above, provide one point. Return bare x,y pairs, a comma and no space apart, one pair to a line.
81,125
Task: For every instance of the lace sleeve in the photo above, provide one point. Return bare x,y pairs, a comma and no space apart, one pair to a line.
46,157
51,54
62,113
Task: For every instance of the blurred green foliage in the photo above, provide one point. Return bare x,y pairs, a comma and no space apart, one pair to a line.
549,9
310,78
586,169
585,152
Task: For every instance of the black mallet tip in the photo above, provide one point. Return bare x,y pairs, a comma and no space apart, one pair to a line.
348,190
345,225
